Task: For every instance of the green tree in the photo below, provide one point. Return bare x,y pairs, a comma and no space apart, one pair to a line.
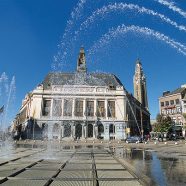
163,124
184,115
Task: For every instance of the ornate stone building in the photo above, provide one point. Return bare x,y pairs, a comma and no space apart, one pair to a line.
81,105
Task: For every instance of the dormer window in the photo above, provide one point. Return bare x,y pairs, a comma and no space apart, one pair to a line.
112,87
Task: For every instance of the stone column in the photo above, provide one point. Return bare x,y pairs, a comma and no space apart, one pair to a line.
62,131
85,129
96,131
51,108
83,135
106,108
94,135
72,129
50,129
84,108
73,108
95,107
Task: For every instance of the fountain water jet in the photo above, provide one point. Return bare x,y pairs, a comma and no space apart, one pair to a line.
101,12
122,29
7,95
122,7
171,5
75,15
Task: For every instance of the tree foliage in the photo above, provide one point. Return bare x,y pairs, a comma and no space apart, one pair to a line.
184,115
163,124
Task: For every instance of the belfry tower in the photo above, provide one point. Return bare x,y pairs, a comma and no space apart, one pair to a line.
140,89
81,62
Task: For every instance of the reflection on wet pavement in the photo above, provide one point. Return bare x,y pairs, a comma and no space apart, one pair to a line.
161,169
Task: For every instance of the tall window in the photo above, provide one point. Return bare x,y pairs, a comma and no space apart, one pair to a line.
111,109
57,110
177,101
167,103
67,108
101,109
46,107
172,102
90,108
79,108
162,104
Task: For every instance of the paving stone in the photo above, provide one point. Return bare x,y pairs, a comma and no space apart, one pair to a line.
114,174
119,183
109,166
80,161
5,173
13,166
47,166
75,174
78,166
106,161
72,183
24,182
35,174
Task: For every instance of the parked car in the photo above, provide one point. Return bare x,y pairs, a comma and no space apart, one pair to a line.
133,139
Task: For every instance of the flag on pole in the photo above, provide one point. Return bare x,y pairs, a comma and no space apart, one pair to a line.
2,109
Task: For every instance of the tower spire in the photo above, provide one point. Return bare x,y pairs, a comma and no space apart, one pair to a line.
81,62
140,89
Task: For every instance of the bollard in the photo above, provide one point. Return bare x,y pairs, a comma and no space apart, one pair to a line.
176,143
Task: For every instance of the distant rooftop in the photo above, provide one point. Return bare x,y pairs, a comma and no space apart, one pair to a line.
177,91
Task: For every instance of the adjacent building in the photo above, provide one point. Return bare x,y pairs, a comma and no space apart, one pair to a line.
84,105
173,104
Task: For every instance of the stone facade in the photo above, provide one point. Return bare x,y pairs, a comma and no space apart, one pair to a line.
173,104
80,105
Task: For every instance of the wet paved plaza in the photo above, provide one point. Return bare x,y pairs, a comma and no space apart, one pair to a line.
68,167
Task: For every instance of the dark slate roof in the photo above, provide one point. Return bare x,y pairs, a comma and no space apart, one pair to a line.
178,90
90,79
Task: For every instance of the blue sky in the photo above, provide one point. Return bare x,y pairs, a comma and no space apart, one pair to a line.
31,30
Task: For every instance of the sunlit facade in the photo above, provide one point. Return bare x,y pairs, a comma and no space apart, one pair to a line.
81,105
